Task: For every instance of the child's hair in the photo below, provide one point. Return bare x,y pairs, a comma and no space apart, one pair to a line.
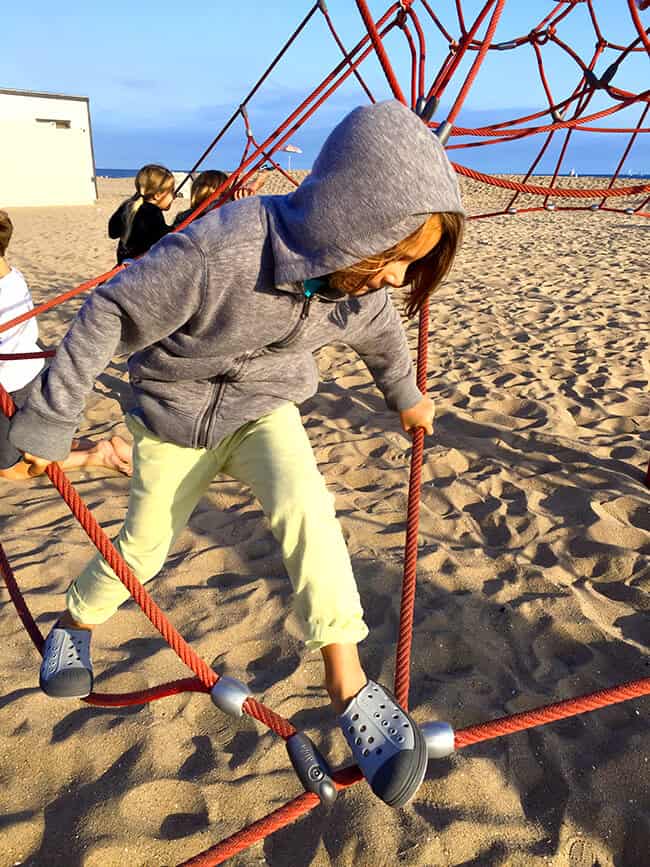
6,231
204,184
151,179
423,275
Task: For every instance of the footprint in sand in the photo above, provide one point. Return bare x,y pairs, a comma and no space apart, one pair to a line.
164,809
580,853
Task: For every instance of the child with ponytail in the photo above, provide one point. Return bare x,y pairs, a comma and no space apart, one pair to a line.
139,221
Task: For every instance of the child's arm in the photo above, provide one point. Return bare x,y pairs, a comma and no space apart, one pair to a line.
115,224
146,302
380,340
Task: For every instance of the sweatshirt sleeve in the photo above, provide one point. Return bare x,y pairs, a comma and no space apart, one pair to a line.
143,304
381,342
116,224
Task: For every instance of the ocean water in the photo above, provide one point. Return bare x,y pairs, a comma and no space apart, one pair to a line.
123,173
131,173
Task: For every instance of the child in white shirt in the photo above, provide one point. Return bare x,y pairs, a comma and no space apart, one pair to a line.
16,377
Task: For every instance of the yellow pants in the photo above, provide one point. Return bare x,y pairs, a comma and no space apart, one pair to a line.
274,457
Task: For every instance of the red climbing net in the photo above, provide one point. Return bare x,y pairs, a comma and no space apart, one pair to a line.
596,93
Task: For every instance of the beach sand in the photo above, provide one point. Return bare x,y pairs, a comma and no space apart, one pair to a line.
533,583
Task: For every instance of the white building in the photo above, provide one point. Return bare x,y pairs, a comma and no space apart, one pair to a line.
46,150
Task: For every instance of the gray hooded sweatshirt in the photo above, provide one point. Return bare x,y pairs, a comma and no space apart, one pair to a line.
216,320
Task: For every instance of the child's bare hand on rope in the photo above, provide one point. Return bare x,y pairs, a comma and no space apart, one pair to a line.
250,189
420,415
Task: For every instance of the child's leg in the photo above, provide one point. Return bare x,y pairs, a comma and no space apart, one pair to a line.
344,676
168,481
274,457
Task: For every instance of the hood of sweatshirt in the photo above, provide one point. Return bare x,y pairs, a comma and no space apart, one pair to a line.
379,175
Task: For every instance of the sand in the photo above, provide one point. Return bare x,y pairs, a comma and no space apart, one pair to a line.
533,584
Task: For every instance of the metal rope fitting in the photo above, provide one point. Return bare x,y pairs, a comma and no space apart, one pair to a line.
426,108
443,132
229,695
310,766
439,737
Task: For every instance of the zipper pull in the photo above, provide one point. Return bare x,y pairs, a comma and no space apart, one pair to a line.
307,296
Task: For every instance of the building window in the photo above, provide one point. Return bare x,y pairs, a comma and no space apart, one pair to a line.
59,124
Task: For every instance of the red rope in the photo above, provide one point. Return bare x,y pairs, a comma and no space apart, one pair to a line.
562,192
503,131
407,607
255,832
469,81
262,828
378,45
551,713
206,675
27,356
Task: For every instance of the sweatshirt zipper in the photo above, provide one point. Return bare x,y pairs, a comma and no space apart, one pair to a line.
307,295
204,427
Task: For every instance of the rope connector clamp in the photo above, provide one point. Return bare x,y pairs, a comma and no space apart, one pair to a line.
310,766
229,695
439,737
426,108
443,132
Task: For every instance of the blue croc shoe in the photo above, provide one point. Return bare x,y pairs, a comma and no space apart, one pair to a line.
66,670
386,743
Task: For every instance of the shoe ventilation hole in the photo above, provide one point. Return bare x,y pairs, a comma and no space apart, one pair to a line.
376,688
351,730
377,715
358,741
371,740
355,717
369,695
378,751
362,728
382,706
401,739
384,722
393,731
366,752
395,716
406,725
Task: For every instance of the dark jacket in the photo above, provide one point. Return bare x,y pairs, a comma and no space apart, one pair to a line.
148,227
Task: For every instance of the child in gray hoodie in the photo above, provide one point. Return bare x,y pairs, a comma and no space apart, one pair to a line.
220,323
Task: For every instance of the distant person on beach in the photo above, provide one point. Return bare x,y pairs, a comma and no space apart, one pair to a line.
16,377
221,322
208,182
139,221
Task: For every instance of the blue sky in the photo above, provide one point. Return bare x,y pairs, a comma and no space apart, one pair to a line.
162,78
